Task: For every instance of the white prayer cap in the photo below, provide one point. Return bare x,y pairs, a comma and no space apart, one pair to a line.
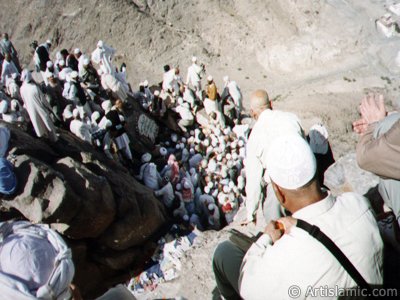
174,137
234,156
219,157
100,44
210,184
209,78
146,83
86,61
75,113
226,78
234,144
206,142
95,115
185,218
227,131
100,72
157,93
241,143
48,42
146,157
212,166
14,75
163,151
186,185
77,51
182,145
194,59
49,64
106,105
61,62
26,75
290,162
191,151
207,189
74,74
210,206
183,139
226,189
228,156
191,132
178,186
318,139
180,100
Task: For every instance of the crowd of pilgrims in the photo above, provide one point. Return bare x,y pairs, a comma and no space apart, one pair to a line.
197,172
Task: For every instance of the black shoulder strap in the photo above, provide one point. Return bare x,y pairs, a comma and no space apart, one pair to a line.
315,232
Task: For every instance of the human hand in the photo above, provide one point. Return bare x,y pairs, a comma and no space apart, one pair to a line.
273,231
288,223
360,126
372,108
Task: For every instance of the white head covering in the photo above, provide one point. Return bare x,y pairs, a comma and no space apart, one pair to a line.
146,157
290,162
210,206
194,59
14,75
163,151
48,42
226,78
178,186
100,44
146,83
35,261
318,139
86,61
226,189
207,189
185,218
26,75
212,166
74,75
49,64
206,142
210,184
191,151
106,105
61,62
156,93
174,137
77,51
75,113
209,78
186,185
95,115
204,163
183,140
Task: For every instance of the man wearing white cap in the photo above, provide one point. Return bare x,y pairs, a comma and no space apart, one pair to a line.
194,75
236,94
270,124
80,129
187,118
78,96
38,107
281,258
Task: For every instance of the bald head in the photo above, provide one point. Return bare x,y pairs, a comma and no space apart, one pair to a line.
259,101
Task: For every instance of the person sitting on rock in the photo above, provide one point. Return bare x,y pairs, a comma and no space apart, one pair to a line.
148,173
269,263
187,118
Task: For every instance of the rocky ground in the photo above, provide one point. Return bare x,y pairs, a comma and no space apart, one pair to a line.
316,58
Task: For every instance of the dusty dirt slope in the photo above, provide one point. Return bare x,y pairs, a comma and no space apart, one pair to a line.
315,57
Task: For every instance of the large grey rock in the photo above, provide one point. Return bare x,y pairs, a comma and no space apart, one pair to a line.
346,176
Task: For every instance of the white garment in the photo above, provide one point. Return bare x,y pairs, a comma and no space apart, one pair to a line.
62,75
167,193
149,175
189,97
13,88
235,93
194,75
270,125
168,80
184,113
299,259
109,81
81,130
103,56
38,109
7,70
